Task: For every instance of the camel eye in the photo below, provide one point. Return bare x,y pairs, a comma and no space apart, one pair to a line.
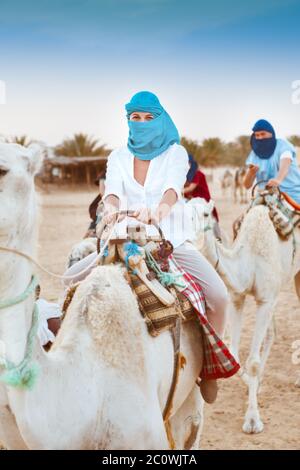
3,172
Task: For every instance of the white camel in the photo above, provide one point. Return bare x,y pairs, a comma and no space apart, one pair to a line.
238,185
105,382
227,181
259,263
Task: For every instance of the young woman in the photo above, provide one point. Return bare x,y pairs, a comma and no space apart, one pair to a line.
148,176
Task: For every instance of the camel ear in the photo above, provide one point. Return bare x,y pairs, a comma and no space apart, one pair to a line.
34,158
209,207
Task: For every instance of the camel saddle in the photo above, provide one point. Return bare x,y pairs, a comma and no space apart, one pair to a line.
163,308
132,251
284,212
160,306
159,315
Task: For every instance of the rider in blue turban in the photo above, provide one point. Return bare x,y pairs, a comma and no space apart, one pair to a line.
272,161
263,148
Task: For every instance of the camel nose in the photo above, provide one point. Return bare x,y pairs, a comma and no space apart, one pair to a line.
3,171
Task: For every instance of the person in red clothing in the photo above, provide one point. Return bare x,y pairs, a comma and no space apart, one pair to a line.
196,186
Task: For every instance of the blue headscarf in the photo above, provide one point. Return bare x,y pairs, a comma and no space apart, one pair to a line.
263,148
193,169
149,139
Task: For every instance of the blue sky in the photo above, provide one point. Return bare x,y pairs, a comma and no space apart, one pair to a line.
216,66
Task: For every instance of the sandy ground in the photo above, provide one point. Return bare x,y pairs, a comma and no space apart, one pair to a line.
64,219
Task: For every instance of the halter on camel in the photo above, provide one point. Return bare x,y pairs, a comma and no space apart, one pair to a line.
24,374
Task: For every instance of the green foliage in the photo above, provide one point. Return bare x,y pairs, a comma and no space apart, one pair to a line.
81,145
192,147
236,152
295,140
213,151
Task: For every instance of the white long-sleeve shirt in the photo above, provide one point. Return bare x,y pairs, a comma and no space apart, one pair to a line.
167,171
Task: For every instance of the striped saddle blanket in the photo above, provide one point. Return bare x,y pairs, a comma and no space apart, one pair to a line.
282,211
189,305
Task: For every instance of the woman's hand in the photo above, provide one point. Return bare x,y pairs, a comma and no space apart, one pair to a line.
110,214
148,216
111,208
144,215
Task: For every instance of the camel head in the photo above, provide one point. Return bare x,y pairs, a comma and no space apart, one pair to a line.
201,207
18,165
201,214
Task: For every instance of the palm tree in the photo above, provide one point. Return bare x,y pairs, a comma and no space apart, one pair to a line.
192,147
212,150
81,145
295,140
236,152
243,142
21,140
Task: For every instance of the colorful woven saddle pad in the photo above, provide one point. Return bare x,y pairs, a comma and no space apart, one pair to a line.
159,317
283,212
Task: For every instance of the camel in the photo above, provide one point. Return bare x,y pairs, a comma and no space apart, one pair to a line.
105,381
226,182
258,263
239,185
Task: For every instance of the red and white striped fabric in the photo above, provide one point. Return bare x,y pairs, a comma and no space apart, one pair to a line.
218,361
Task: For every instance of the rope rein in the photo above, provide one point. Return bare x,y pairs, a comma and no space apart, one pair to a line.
166,279
24,374
58,276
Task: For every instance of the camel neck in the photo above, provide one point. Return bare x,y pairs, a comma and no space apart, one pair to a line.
15,276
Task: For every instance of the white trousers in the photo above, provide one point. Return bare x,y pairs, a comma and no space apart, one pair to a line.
215,291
